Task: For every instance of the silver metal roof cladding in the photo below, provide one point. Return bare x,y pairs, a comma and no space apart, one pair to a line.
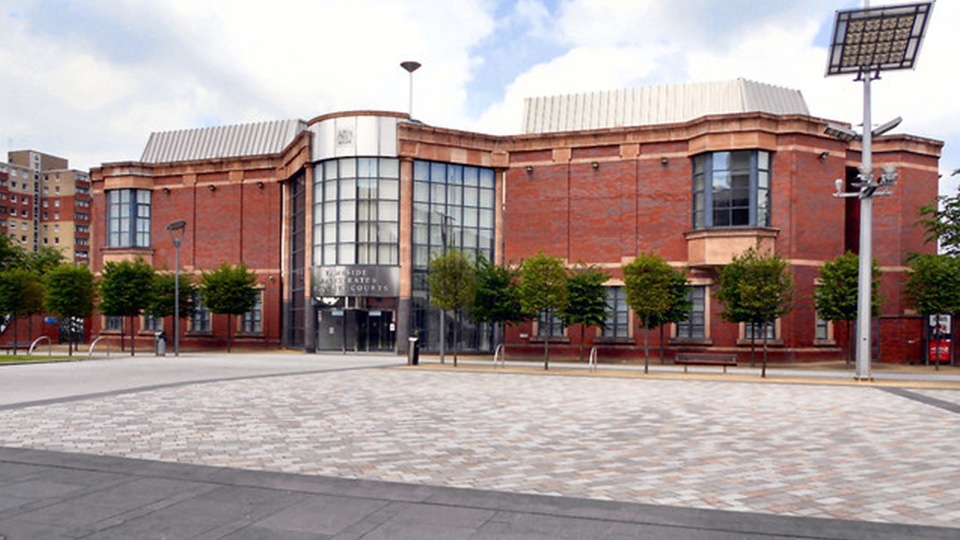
221,141
657,105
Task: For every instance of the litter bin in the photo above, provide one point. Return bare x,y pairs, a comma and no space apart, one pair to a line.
161,343
413,352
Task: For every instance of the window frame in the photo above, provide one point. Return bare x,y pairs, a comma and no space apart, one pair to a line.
705,181
128,218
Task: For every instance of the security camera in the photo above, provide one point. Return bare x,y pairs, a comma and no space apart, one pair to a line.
839,183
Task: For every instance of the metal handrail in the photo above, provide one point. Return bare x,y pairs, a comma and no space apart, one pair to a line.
593,359
94,344
498,356
36,341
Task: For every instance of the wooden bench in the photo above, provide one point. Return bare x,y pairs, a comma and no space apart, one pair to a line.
705,359
20,345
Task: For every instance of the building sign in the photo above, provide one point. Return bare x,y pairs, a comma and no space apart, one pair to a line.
356,281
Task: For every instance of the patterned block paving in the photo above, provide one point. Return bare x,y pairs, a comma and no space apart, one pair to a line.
827,451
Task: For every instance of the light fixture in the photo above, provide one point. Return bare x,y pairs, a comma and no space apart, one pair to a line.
529,169
260,184
595,165
824,156
166,191
664,160
864,43
842,133
212,187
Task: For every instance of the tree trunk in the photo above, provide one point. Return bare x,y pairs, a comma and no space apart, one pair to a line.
456,335
546,342
230,334
133,342
753,344
646,349
763,371
16,335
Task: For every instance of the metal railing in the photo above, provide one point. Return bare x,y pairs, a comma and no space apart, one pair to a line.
498,356
38,340
593,359
94,344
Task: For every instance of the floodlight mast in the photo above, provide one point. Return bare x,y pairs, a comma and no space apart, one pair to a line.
880,39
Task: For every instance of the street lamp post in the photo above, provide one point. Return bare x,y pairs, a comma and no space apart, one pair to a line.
410,66
865,42
176,230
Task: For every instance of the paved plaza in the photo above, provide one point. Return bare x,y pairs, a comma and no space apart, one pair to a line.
864,453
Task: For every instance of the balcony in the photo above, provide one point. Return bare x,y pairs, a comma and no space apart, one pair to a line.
717,247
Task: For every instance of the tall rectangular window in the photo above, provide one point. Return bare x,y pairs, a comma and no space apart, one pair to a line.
549,328
617,320
694,327
253,320
128,218
731,189
200,322
757,331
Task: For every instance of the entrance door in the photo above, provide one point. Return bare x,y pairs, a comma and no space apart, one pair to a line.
379,330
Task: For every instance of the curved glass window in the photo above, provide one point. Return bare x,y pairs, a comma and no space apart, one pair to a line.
357,212
731,189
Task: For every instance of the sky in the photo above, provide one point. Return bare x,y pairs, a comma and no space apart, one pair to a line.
89,80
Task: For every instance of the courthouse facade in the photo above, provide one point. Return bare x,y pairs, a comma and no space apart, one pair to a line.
338,215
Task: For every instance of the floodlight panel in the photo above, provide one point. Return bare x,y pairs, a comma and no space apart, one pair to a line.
877,39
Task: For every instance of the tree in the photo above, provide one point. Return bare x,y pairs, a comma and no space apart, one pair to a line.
162,302
543,290
941,221
933,284
70,293
453,285
835,297
21,294
11,255
497,300
586,299
755,289
229,290
42,261
658,294
126,290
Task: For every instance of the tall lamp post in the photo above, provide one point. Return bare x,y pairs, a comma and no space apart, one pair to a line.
865,42
176,230
410,66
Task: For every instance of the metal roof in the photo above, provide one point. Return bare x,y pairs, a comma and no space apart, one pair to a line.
657,105
221,141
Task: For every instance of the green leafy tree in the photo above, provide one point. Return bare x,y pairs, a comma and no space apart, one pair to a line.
126,290
21,295
42,261
70,293
162,303
658,294
229,290
933,285
586,299
11,255
755,289
497,300
941,221
835,296
453,285
543,290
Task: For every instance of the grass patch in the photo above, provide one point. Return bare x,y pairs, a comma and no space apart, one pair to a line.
36,358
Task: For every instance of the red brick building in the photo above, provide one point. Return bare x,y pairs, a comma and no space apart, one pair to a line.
338,215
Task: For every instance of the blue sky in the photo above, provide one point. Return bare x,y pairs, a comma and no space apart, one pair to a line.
90,80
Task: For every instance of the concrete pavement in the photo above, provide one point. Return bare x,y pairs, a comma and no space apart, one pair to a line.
668,457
